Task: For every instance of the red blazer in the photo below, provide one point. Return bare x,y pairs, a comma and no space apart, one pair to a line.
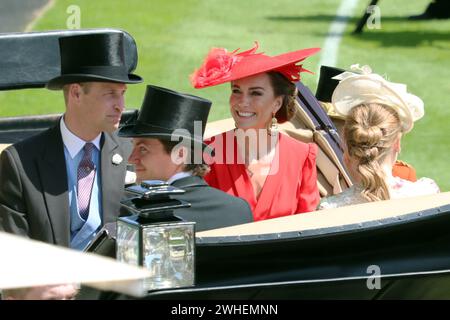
290,188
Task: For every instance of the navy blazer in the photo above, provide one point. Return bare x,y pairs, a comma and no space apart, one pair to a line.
210,208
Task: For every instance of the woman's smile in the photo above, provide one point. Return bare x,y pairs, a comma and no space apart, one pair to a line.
243,114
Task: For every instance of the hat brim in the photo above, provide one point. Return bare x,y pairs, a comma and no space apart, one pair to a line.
130,131
260,63
372,88
58,82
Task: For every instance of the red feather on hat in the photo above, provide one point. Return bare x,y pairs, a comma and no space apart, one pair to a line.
217,66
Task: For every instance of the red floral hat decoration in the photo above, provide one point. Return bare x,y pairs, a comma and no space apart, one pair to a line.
221,66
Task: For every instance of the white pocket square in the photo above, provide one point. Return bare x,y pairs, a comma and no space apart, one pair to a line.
130,177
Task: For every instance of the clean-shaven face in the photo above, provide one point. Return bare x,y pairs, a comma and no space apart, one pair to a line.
102,104
252,102
151,161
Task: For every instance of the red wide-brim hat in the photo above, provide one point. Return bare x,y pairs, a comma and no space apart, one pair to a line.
221,66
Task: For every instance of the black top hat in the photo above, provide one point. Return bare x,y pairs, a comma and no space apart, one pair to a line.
163,111
92,57
326,84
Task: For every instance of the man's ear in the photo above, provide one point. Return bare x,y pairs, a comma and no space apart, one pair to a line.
180,155
183,154
75,92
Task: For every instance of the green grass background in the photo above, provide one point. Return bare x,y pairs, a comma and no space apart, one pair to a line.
173,36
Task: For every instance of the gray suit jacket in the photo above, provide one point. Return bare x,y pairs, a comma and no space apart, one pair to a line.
210,208
34,199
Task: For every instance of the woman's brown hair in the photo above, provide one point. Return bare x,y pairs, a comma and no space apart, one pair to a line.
284,87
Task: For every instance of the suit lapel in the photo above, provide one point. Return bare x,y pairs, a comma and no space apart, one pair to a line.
52,170
112,177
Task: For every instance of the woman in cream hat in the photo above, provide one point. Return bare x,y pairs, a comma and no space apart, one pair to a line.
274,173
324,91
378,113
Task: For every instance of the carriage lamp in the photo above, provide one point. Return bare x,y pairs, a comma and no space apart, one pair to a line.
155,238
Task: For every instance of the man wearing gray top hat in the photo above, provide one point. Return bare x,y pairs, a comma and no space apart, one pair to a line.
168,145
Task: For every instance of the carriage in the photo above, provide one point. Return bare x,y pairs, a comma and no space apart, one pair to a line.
380,250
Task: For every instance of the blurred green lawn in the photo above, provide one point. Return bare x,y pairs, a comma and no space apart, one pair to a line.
174,36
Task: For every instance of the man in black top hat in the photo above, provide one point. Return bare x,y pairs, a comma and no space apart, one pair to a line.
62,185
325,89
168,145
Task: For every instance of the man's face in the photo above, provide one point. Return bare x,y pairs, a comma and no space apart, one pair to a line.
102,104
151,161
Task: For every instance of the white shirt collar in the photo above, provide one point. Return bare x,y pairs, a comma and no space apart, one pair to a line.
72,142
178,176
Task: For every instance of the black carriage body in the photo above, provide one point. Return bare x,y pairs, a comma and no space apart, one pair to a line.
411,256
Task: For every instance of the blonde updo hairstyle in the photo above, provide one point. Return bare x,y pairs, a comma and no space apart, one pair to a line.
283,87
370,131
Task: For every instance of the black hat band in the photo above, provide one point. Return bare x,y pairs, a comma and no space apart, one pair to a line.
103,71
143,128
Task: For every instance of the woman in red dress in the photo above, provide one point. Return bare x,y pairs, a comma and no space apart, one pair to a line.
275,173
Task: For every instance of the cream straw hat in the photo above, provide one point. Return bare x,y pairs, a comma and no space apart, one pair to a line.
367,87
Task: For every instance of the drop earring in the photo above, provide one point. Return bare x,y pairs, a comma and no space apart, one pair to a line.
273,128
